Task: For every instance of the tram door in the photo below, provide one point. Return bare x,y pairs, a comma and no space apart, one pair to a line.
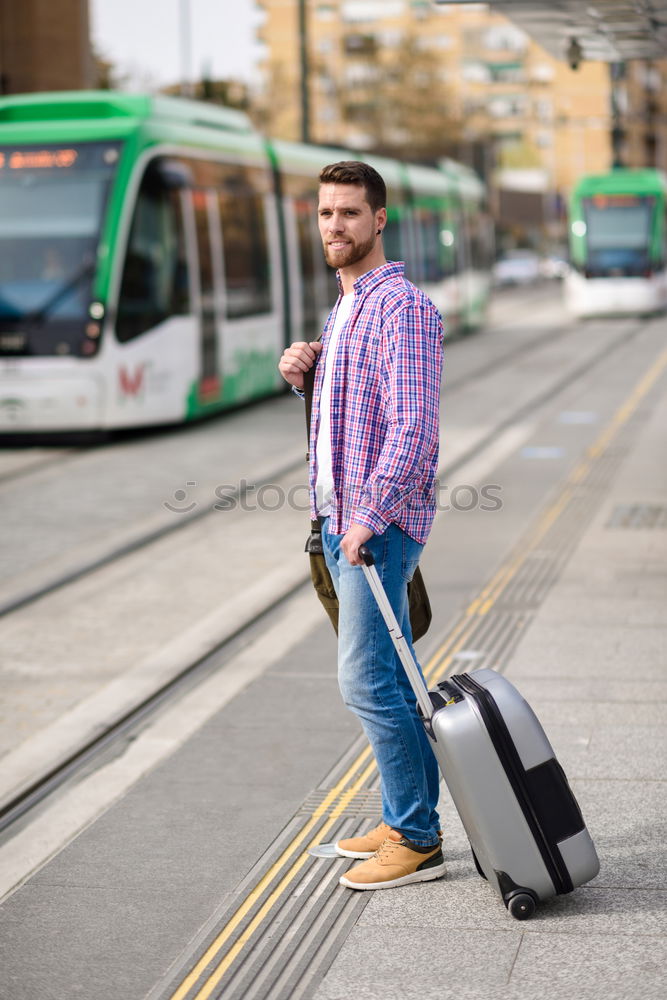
209,253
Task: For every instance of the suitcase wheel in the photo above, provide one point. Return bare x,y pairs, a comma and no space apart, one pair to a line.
521,905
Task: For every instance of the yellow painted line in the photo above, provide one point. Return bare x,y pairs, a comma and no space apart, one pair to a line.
266,880
436,667
483,604
270,902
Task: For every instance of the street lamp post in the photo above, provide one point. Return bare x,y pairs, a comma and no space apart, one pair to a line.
186,48
616,73
305,70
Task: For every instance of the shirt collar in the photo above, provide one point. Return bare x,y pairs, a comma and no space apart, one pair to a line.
369,280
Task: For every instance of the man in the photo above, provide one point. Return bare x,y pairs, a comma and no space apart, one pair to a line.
374,453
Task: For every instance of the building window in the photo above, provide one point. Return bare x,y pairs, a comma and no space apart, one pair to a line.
544,109
506,106
475,72
355,11
542,73
505,72
359,45
505,37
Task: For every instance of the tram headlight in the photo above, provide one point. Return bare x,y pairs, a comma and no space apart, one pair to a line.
579,228
96,310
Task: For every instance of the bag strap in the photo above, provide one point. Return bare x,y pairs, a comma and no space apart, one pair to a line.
308,389
314,543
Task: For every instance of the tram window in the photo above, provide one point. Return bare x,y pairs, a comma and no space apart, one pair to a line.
480,240
391,238
155,279
430,245
618,236
245,245
303,211
206,280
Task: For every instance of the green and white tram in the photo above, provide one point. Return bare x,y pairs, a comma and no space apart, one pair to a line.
157,254
618,244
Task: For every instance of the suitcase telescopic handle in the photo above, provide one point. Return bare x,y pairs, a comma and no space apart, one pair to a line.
399,640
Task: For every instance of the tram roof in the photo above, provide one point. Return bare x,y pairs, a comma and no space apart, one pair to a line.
605,30
89,105
622,181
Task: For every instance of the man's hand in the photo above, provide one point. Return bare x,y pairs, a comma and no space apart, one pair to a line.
297,359
355,536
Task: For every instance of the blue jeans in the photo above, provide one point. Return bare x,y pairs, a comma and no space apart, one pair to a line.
375,687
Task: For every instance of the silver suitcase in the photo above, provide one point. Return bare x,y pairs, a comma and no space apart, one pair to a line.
526,831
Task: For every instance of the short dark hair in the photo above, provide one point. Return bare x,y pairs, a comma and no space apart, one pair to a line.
361,174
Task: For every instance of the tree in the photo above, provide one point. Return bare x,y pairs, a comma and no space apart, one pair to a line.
107,74
404,107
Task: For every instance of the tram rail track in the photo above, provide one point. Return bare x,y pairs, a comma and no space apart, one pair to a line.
115,730
161,527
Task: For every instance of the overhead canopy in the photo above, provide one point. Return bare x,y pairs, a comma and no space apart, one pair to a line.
577,30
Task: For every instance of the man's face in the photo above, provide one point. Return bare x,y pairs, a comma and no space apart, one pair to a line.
348,227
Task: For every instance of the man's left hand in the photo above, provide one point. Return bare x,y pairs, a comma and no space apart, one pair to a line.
354,537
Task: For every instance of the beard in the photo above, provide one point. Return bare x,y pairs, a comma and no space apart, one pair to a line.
352,253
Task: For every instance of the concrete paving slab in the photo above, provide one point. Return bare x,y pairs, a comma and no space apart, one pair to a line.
74,944
613,967
602,650
207,813
628,691
377,963
627,820
607,703
469,903
580,605
636,753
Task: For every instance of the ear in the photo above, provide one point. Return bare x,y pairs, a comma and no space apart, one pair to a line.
381,218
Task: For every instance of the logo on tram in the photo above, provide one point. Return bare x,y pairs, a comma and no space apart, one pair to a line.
132,384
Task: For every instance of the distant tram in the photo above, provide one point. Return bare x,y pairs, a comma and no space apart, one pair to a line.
157,254
618,244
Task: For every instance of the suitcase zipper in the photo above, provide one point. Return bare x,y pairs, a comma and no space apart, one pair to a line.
514,769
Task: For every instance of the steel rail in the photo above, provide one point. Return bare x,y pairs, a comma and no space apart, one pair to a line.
86,568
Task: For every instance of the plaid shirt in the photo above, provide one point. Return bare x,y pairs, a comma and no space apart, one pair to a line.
385,412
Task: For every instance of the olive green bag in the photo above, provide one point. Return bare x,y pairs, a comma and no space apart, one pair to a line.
420,606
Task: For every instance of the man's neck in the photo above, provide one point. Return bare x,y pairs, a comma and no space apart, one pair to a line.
348,275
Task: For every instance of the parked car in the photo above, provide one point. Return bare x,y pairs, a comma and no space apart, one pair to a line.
553,266
517,267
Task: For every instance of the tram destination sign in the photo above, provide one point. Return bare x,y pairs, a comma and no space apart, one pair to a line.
36,159
616,200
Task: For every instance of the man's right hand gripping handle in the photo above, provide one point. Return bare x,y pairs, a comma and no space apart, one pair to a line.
297,359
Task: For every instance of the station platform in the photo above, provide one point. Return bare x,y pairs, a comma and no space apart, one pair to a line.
592,665
193,878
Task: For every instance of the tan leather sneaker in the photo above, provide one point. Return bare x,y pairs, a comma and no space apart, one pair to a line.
364,846
396,862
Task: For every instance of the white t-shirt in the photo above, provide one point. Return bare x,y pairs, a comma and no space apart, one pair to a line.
325,484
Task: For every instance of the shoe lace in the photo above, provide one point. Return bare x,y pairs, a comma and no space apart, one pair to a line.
386,848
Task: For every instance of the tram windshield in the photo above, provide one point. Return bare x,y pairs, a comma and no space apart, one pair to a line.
52,202
618,233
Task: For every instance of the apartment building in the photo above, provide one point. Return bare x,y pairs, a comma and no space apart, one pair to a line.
388,72
45,45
